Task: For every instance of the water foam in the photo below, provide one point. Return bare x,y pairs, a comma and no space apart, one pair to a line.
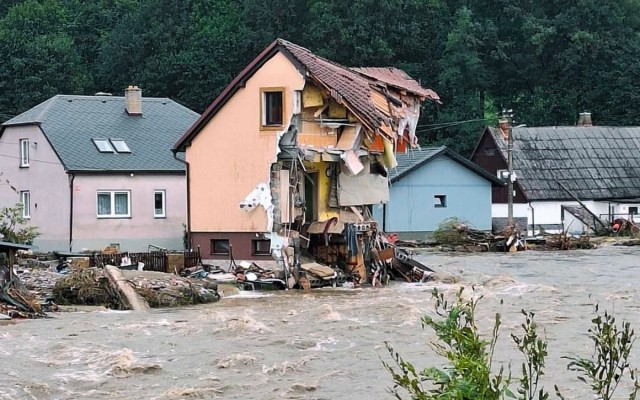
287,366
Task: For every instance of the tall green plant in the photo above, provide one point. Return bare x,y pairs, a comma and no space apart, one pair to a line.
469,372
534,350
604,371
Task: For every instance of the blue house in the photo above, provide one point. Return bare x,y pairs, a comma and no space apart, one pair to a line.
430,185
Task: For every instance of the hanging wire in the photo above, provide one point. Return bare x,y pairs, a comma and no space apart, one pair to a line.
432,127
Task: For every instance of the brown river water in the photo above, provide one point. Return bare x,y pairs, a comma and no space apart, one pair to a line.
325,344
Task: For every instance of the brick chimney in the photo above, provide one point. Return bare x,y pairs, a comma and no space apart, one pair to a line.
133,100
503,125
585,119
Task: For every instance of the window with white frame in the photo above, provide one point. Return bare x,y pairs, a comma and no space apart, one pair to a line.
114,204
25,199
24,152
159,203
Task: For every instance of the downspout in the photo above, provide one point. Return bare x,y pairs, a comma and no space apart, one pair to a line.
384,218
533,220
188,224
73,177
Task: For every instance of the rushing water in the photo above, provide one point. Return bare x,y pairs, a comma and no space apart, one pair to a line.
326,344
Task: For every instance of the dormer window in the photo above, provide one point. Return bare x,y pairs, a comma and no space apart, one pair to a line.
103,145
120,145
272,108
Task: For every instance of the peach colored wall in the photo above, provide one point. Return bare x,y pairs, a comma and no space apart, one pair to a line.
230,156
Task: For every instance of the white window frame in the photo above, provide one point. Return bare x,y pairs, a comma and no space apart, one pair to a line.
112,214
162,214
24,152
25,199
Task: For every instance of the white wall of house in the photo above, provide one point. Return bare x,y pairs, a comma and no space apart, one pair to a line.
500,210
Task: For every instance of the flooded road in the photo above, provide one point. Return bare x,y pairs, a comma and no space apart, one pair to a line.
326,344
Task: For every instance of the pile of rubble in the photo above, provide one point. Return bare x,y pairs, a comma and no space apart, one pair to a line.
93,286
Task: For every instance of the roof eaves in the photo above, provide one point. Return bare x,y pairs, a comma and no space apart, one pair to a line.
474,167
417,165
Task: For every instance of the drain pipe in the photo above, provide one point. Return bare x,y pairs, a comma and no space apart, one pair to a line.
533,220
71,180
188,224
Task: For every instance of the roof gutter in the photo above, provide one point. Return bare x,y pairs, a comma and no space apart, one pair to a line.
187,175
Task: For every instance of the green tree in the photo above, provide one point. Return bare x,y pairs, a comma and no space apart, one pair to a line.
14,227
38,56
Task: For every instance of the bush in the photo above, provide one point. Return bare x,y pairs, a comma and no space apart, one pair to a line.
468,372
14,227
451,231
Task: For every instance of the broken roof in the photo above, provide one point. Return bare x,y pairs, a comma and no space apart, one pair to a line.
416,158
399,79
593,163
343,84
71,122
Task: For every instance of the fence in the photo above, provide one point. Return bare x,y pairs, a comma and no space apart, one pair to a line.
153,261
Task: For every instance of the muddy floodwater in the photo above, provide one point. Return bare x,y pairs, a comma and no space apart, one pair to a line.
326,344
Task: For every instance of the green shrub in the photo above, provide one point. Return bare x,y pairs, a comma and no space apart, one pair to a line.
468,372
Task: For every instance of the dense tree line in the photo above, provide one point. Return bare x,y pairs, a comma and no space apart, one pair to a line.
547,60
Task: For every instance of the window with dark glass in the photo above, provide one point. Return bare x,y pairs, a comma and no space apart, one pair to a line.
272,107
159,204
261,247
220,246
439,201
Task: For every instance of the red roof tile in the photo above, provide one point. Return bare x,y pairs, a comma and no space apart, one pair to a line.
398,78
343,84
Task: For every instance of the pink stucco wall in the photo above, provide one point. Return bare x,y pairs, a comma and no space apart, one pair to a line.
48,184
142,228
231,155
45,178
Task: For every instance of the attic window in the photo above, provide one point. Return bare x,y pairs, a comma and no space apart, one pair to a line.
120,145
103,145
272,108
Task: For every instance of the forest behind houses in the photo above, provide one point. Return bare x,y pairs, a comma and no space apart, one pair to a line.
547,60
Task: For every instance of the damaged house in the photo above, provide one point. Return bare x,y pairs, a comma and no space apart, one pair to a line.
577,178
297,149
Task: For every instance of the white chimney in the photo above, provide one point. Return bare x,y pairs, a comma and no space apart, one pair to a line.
133,100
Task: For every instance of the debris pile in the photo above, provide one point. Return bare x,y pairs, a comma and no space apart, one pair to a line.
454,235
565,241
91,286
15,299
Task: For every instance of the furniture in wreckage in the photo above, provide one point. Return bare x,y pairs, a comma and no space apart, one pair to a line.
10,250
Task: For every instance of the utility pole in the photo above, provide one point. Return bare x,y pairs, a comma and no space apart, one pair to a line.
506,123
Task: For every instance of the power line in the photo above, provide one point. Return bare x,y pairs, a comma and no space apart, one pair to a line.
451,122
448,125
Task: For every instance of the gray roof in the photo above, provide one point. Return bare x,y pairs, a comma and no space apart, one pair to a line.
71,122
593,163
415,158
